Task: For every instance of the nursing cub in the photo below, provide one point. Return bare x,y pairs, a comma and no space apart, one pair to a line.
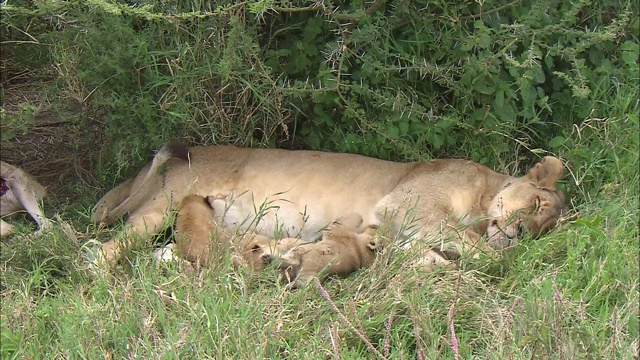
198,235
342,251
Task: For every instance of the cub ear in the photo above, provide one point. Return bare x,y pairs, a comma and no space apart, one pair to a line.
372,245
547,172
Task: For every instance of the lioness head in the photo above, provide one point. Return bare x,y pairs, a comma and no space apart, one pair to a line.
530,204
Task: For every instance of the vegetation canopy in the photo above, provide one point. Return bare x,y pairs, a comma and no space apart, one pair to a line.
91,88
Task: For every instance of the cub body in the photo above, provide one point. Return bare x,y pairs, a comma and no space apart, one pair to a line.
341,251
198,236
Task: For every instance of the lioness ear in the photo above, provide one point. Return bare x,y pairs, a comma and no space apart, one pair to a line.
547,172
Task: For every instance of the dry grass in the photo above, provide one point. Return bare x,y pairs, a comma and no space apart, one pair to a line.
56,147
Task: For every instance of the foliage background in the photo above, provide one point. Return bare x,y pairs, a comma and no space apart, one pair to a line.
91,88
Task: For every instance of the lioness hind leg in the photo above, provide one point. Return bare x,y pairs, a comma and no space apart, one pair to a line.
110,200
140,225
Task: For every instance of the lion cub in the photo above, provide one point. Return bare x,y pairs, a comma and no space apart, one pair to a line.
341,251
197,231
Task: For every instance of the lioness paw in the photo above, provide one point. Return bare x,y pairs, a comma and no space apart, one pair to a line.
94,259
433,260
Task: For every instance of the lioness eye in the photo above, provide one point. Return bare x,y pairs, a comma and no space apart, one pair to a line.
537,202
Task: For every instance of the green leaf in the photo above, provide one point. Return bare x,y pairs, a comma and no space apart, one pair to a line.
484,41
506,112
548,61
467,45
484,86
437,140
595,56
535,74
393,132
445,123
556,142
528,92
630,46
404,127
629,57
499,100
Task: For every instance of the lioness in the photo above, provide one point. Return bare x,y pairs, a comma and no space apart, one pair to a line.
341,252
19,191
197,233
301,192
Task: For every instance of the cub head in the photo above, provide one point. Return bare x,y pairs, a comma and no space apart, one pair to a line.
530,204
348,229
260,250
372,242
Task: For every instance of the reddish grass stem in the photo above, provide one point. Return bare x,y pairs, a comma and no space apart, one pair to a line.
345,321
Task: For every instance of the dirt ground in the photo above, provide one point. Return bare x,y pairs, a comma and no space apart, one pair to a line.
60,148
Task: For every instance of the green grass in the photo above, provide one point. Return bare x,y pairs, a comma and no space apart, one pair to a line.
571,294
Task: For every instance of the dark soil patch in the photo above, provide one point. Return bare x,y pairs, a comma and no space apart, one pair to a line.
57,144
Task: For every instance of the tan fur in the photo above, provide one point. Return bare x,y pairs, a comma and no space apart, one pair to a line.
452,202
341,252
198,235
195,229
23,193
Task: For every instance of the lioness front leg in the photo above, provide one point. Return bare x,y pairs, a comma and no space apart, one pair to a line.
31,202
454,245
463,242
5,229
140,225
447,242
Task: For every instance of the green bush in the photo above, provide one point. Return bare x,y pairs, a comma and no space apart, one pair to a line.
403,80
500,82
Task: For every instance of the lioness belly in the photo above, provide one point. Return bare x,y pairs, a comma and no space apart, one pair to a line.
288,215
298,193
